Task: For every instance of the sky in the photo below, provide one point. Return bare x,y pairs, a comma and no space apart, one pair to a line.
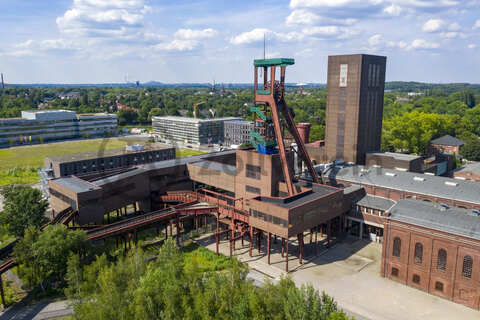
106,41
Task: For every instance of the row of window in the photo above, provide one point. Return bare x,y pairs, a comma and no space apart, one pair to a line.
252,189
416,280
268,218
467,265
253,171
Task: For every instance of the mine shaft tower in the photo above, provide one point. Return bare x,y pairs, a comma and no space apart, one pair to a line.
269,104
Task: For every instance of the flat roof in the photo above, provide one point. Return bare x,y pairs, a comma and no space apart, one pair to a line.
442,187
193,120
218,166
374,202
431,215
471,167
158,165
75,184
399,156
105,153
317,191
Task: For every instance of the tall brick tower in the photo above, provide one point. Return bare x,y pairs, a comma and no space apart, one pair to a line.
355,88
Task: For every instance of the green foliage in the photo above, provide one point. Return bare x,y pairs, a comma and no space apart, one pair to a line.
23,207
412,132
175,286
126,117
43,255
471,150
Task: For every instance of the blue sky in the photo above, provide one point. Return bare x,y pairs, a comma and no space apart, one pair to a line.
95,41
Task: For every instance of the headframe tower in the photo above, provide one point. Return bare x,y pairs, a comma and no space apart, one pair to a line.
270,103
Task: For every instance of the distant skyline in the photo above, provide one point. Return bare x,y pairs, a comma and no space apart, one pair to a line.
105,41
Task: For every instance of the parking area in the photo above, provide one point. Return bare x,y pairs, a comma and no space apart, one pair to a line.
350,272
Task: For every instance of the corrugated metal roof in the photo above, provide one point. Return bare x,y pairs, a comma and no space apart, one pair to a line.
442,187
431,215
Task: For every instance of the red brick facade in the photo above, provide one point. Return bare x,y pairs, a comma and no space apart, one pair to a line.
439,263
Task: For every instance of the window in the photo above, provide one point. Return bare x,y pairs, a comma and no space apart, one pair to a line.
253,171
397,245
467,267
394,272
252,189
442,260
439,286
418,254
416,279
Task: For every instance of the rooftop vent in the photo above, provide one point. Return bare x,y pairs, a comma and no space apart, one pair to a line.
390,174
444,206
451,183
418,179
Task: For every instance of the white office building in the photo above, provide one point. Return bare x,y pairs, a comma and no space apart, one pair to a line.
47,125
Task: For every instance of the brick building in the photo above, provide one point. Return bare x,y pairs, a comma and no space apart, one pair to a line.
446,144
470,171
355,87
434,248
399,161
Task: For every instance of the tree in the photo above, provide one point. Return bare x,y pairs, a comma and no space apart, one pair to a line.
471,150
43,255
127,117
24,206
411,132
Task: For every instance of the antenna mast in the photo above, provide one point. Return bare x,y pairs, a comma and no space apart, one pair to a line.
3,84
263,45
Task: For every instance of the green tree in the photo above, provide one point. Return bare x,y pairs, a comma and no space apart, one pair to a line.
23,207
43,255
127,117
471,150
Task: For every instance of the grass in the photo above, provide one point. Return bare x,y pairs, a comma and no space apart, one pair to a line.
205,259
187,152
19,165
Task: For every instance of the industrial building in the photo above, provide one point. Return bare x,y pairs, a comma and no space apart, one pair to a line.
46,125
237,132
355,87
107,160
428,225
189,130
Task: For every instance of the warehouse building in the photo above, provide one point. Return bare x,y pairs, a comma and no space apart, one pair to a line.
48,125
189,130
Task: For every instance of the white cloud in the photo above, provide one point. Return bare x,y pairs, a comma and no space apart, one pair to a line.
103,18
472,46
329,3
433,25
399,44
422,44
452,35
454,27
195,34
177,45
322,31
477,24
393,10
256,35
302,17
375,40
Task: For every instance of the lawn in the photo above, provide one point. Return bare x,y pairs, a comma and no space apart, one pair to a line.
20,164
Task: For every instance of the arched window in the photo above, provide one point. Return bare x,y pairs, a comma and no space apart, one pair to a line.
397,246
442,260
418,254
467,267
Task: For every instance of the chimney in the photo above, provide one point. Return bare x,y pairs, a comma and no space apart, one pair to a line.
304,131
